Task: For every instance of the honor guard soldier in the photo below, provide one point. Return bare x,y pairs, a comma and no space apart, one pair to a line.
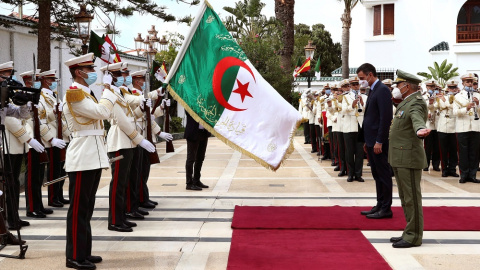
48,80
431,142
34,168
311,119
327,126
335,110
86,157
446,130
342,91
303,112
317,110
467,126
122,140
135,100
407,156
332,115
17,141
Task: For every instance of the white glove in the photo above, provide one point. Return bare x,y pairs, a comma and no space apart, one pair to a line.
60,106
147,146
152,117
58,143
36,106
166,102
107,94
149,103
116,89
107,78
166,136
36,145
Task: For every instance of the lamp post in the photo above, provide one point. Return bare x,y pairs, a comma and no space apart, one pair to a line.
309,52
163,44
83,20
138,43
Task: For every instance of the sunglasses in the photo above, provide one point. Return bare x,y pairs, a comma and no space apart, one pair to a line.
354,84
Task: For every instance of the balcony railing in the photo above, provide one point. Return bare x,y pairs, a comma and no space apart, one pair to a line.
468,33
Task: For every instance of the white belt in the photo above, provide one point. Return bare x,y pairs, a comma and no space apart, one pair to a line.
43,121
88,132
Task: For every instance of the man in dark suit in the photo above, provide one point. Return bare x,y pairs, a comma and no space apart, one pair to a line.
376,123
197,140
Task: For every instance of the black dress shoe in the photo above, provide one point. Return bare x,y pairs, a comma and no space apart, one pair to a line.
36,214
425,170
403,244
371,211
342,173
94,259
476,181
462,181
134,215
324,158
454,174
337,168
306,143
47,211
381,214
332,164
141,212
24,223
360,179
153,202
319,154
120,228
55,204
436,169
147,205
444,174
129,224
395,239
313,151
193,187
350,179
64,201
200,184
80,265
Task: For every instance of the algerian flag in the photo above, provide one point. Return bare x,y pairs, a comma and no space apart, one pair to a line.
103,48
219,87
159,71
318,69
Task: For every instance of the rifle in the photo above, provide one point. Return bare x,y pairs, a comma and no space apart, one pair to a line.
59,125
154,159
36,121
166,124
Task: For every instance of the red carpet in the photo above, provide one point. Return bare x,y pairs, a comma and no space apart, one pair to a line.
302,249
349,218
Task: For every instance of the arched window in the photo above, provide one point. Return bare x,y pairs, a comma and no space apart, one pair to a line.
468,22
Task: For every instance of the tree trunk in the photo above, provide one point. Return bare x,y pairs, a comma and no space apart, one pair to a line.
284,12
44,32
347,23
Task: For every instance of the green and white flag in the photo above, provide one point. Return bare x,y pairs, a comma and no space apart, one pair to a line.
219,87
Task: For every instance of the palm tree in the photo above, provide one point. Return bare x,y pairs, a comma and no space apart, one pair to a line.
284,12
247,21
441,73
347,23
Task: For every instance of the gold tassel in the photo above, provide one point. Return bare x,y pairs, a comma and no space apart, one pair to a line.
75,95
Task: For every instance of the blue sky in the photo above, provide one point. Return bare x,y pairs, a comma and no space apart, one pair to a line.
308,12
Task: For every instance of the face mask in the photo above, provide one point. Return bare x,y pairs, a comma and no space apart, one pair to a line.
53,86
397,94
14,77
468,88
92,78
430,92
363,83
143,86
128,80
119,81
328,92
37,85
435,92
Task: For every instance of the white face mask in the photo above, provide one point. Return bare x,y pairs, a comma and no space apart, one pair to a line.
396,93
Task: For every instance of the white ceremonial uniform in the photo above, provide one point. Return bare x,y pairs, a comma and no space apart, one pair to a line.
349,114
17,135
446,119
87,150
464,118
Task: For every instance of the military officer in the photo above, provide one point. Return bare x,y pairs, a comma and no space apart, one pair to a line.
465,109
407,156
54,166
431,142
86,157
122,140
327,126
303,112
317,110
446,130
332,110
340,141
311,119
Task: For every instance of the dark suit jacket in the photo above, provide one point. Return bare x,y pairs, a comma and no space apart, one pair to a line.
191,130
378,115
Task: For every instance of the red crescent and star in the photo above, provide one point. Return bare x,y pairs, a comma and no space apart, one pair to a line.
242,89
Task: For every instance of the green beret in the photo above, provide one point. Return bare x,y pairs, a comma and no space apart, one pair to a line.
403,76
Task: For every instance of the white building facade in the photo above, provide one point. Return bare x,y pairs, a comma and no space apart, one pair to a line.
412,34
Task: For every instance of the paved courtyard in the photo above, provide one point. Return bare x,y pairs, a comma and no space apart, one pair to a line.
191,229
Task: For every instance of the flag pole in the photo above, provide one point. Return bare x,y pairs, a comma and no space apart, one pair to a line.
185,44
